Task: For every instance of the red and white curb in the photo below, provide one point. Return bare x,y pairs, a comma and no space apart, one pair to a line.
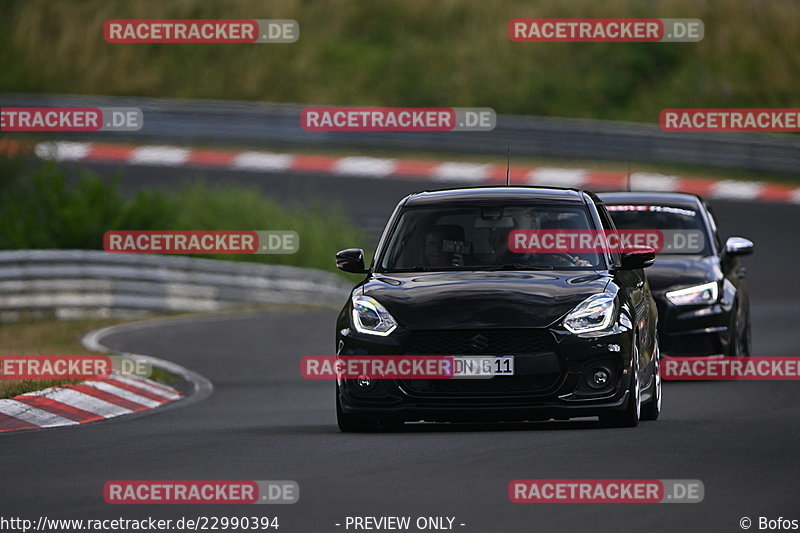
378,168
87,401
100,399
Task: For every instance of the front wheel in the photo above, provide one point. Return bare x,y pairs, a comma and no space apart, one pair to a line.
652,408
629,417
740,341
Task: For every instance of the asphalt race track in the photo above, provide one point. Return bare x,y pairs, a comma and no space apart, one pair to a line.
265,422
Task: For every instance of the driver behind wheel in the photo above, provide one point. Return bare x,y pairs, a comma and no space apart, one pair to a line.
434,253
561,223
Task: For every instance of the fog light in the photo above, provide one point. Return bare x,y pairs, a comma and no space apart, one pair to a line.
600,377
364,383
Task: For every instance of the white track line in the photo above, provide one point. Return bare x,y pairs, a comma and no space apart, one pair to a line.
646,181
123,393
33,415
83,401
159,155
146,385
365,166
737,190
558,177
450,171
62,151
262,161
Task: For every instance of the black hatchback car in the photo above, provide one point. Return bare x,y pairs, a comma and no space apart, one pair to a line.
702,297
578,331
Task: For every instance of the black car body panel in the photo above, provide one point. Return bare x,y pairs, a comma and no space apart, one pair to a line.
464,300
517,312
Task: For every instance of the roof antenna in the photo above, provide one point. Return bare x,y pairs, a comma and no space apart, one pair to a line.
508,167
629,176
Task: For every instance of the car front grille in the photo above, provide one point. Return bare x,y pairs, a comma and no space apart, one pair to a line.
516,342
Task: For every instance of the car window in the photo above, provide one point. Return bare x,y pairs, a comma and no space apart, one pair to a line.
608,225
712,220
477,238
674,221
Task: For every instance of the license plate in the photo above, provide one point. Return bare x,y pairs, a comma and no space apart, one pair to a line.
482,366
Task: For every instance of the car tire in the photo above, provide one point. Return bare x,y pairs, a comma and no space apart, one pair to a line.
747,342
628,417
349,423
745,335
740,342
652,408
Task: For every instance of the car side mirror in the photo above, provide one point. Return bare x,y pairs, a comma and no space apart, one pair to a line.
351,260
739,246
636,259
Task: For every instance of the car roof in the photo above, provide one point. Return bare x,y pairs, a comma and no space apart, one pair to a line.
508,194
671,199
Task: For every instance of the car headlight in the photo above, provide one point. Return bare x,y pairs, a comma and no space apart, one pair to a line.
593,314
706,293
371,317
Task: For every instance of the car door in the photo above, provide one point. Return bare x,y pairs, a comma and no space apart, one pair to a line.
733,293
732,269
637,289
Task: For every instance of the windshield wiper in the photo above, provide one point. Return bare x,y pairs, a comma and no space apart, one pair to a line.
520,266
418,268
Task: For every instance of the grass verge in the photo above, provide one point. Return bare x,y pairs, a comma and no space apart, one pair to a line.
51,337
415,53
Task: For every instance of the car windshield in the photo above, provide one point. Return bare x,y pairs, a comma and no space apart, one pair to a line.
679,222
477,238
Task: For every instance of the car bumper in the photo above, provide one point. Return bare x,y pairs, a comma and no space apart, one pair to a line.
547,384
694,331
410,410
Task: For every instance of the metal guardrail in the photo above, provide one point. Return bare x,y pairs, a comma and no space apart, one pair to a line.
278,125
75,283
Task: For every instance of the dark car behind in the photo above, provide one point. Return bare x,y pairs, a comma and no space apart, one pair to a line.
710,322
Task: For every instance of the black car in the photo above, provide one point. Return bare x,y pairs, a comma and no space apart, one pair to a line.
581,330
702,297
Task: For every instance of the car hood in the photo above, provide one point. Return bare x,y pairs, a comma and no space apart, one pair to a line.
468,300
675,271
